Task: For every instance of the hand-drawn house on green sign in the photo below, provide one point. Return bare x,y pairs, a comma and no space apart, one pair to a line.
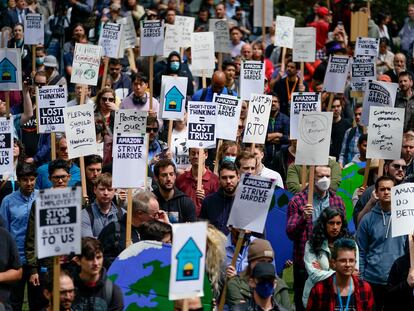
173,100
188,261
7,71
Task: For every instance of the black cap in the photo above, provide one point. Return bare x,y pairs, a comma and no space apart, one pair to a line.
264,270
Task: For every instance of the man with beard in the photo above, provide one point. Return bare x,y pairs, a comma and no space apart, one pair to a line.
339,127
216,207
67,292
178,206
405,98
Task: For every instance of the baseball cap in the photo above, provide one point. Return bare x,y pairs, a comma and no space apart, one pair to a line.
264,270
323,11
260,248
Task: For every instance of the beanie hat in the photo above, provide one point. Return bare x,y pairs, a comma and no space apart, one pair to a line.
259,248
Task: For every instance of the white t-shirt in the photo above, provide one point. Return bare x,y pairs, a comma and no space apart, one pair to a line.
268,173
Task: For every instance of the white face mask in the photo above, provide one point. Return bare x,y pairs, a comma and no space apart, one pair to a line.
323,183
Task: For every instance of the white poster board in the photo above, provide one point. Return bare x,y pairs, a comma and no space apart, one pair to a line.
385,133
314,138
284,31
185,27
129,160
130,35
378,93
51,100
152,38
6,146
252,75
402,212
257,118
10,70
171,40
366,47
173,95
130,121
80,130
221,31
251,203
304,44
188,256
58,222
258,13
228,110
305,101
202,51
336,74
85,66
201,125
34,29
111,40
363,69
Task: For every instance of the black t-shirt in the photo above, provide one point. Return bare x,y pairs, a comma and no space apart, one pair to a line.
9,259
351,305
337,136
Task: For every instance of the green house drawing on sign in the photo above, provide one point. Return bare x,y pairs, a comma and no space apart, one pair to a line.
173,100
7,71
188,261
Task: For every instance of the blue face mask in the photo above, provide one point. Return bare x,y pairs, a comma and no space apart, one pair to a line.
174,66
265,289
229,159
40,60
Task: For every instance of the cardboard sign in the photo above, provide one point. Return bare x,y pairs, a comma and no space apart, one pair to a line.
284,31
173,95
201,125
251,203
6,146
171,43
130,35
257,118
58,222
252,75
85,66
129,160
378,93
152,38
258,17
366,47
336,74
306,101
385,133
402,211
130,121
188,258
228,110
185,27
363,69
202,51
10,70
34,30
304,45
314,138
221,35
51,100
111,40
80,130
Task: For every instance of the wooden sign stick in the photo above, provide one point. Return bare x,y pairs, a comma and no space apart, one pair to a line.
220,61
331,98
200,169
170,130
33,60
131,60
52,146
81,159
216,162
105,72
128,240
264,23
303,176
151,78
411,243
311,183
282,65
7,95
56,283
381,167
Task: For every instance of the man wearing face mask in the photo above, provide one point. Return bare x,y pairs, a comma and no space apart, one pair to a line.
300,218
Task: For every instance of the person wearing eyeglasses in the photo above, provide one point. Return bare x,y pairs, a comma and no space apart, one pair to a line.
67,292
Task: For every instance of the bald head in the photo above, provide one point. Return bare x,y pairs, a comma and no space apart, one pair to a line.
247,51
218,81
400,62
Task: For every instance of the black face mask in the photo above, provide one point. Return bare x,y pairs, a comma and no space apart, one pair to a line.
139,101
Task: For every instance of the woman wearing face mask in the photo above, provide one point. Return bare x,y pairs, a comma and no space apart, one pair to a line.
228,151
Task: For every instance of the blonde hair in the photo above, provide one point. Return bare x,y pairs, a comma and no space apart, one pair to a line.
215,256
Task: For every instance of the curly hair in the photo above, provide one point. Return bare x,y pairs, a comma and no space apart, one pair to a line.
215,256
319,230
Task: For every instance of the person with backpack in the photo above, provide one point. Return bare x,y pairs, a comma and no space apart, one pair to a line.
218,82
103,210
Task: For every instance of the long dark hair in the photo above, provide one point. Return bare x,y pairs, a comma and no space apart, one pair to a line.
319,230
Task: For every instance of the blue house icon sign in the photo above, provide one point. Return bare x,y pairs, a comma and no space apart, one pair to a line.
7,71
173,100
188,261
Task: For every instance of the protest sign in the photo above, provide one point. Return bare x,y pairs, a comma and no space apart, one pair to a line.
252,74
201,125
171,43
172,99
402,211
129,160
10,70
336,74
130,35
366,47
378,93
152,38
6,146
258,17
251,203
80,130
58,222
257,118
202,73
221,35
85,66
51,100
284,31
304,44
306,101
188,258
130,121
314,138
202,51
363,69
385,132
111,40
228,110
185,27
34,30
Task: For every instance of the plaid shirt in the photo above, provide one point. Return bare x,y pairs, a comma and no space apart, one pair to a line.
323,296
299,229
